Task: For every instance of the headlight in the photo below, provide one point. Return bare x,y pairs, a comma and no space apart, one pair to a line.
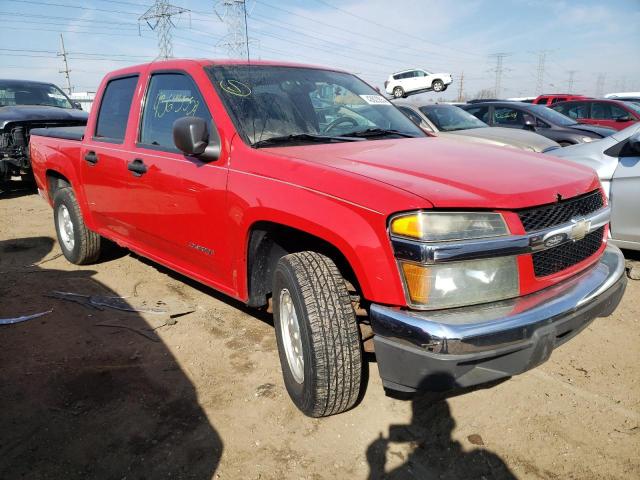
587,139
447,226
461,283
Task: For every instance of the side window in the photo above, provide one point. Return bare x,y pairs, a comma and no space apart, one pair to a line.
558,99
420,73
574,110
600,111
507,116
170,96
480,112
541,124
411,115
617,112
542,101
114,109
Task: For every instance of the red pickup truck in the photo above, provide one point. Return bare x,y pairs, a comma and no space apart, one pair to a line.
301,189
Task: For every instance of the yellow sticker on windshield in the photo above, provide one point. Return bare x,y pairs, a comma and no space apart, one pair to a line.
235,87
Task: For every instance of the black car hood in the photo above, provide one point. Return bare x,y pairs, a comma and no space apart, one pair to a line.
602,131
26,113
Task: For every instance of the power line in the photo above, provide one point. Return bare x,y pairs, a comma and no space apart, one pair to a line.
570,81
499,70
158,17
233,13
600,84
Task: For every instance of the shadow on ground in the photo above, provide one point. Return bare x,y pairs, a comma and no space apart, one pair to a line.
81,400
434,453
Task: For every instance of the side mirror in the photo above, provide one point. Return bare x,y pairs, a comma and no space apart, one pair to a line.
529,122
191,136
76,105
634,143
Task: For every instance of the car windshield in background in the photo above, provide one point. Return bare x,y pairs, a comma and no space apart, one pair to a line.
14,93
635,106
552,116
273,105
449,118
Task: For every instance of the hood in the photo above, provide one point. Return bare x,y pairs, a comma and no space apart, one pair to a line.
39,113
602,131
509,136
452,174
592,155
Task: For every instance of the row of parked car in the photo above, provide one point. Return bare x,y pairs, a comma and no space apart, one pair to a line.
602,134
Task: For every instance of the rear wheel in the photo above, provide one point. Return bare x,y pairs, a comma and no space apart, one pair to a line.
437,85
317,334
398,92
79,244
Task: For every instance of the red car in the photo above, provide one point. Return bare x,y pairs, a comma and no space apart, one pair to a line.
554,98
614,114
302,190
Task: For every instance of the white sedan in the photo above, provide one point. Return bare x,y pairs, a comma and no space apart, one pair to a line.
402,84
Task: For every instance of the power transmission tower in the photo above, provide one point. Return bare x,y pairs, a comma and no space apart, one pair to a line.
233,13
66,70
499,70
158,17
542,59
461,89
570,81
600,84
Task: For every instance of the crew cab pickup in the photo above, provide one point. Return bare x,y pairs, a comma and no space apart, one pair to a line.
300,189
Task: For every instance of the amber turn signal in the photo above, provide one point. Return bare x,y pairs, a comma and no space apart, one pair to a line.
418,282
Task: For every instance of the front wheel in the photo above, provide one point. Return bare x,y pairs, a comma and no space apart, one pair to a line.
437,85
79,244
398,92
317,334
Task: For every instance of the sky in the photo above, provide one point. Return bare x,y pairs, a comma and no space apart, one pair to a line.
371,38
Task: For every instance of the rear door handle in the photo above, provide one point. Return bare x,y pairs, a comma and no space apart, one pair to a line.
137,167
91,158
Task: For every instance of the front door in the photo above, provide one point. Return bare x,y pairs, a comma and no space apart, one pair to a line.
179,201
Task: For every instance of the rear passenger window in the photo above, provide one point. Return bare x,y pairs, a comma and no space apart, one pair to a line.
170,96
114,109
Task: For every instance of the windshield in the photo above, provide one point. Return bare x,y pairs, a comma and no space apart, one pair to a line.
449,118
552,116
16,93
274,102
635,106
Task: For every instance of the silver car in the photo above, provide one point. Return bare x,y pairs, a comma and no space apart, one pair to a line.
451,121
617,160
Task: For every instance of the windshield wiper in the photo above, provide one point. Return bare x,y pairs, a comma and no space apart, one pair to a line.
378,132
304,137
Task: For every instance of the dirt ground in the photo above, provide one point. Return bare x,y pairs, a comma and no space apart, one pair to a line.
83,397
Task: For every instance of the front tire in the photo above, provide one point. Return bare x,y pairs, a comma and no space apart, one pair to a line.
437,86
398,92
317,334
79,244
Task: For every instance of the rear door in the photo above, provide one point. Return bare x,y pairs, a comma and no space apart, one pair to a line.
609,115
180,201
104,154
508,117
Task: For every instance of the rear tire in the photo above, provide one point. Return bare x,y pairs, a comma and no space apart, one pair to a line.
398,92
317,334
79,244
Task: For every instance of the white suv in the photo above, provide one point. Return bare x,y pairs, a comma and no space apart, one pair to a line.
415,81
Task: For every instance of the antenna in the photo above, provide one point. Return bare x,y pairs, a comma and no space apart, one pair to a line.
233,13
66,70
499,71
158,17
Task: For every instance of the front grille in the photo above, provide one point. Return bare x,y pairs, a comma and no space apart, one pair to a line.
537,218
553,260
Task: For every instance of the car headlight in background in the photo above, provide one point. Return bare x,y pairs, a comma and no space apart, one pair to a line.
448,226
587,139
457,284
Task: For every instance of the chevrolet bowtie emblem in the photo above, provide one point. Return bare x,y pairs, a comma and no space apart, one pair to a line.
580,229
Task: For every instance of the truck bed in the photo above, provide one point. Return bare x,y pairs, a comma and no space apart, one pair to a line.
67,133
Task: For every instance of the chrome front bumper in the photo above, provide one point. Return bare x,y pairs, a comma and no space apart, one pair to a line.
472,345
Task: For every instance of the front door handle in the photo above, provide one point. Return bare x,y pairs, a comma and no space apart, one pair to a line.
91,158
137,167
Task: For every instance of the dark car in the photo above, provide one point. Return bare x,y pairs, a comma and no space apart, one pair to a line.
25,105
614,114
539,119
